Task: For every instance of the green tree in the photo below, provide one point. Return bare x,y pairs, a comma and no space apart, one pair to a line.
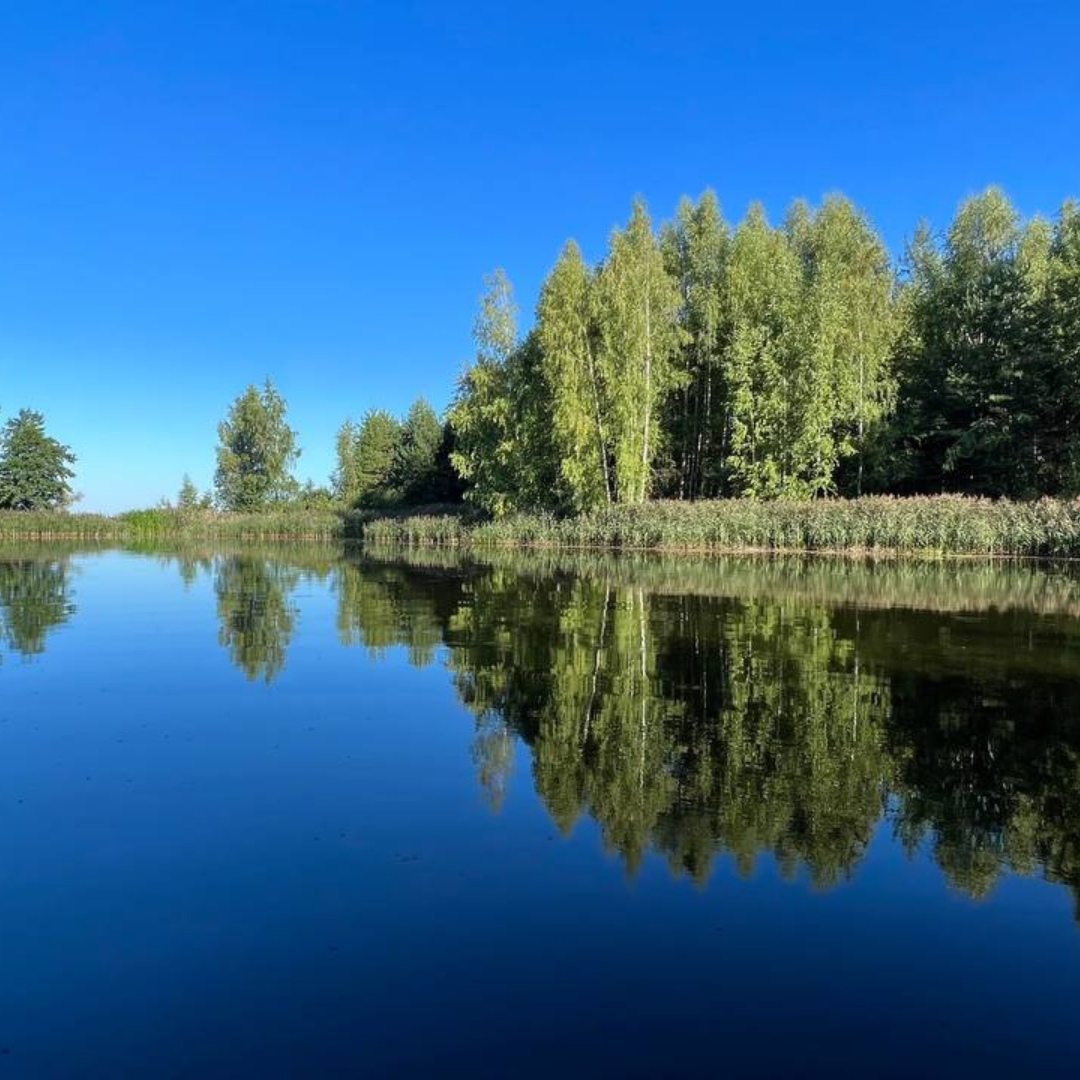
416,464
962,360
638,304
763,367
256,451
35,469
849,333
373,454
568,336
501,416
695,250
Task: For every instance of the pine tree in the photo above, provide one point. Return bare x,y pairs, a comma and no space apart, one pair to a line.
35,469
375,450
417,453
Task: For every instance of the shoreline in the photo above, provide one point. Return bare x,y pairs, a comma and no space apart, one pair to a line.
872,527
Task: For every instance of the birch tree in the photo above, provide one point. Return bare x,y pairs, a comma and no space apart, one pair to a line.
639,333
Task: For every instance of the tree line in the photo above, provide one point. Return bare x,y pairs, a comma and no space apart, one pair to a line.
796,360
381,461
704,360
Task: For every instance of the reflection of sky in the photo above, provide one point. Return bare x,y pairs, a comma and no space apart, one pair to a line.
217,876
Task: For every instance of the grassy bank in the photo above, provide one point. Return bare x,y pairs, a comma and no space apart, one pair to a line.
939,525
168,524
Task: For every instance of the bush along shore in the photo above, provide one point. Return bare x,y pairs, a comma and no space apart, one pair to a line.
925,525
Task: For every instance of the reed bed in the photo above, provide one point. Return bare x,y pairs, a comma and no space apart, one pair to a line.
927,525
291,525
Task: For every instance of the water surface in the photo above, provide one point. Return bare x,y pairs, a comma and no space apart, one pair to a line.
275,812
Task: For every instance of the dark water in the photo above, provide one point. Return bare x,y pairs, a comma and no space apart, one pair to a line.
307,814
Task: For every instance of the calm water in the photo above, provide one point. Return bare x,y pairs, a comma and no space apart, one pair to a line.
300,813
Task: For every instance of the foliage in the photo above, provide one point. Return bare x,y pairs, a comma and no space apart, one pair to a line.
501,415
416,465
35,469
256,451
367,460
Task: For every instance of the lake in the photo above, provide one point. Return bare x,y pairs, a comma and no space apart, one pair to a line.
305,812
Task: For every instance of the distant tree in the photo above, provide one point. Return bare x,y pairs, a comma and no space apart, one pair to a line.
374,456
35,469
188,497
345,479
256,451
313,496
966,358
417,453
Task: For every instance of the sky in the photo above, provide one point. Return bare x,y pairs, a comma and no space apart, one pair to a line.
196,196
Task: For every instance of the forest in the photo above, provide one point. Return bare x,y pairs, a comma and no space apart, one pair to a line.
785,361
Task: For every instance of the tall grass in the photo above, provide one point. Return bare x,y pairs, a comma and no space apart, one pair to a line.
168,523
934,525
288,523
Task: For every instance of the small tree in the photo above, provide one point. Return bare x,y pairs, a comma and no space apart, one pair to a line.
34,467
188,498
256,451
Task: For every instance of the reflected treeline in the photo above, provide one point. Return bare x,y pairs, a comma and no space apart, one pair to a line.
35,598
699,724
722,708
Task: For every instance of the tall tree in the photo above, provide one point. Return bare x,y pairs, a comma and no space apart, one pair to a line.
638,305
849,333
695,250
962,357
35,468
256,451
568,336
501,416
762,369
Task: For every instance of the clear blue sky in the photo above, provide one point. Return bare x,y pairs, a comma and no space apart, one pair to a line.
196,195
